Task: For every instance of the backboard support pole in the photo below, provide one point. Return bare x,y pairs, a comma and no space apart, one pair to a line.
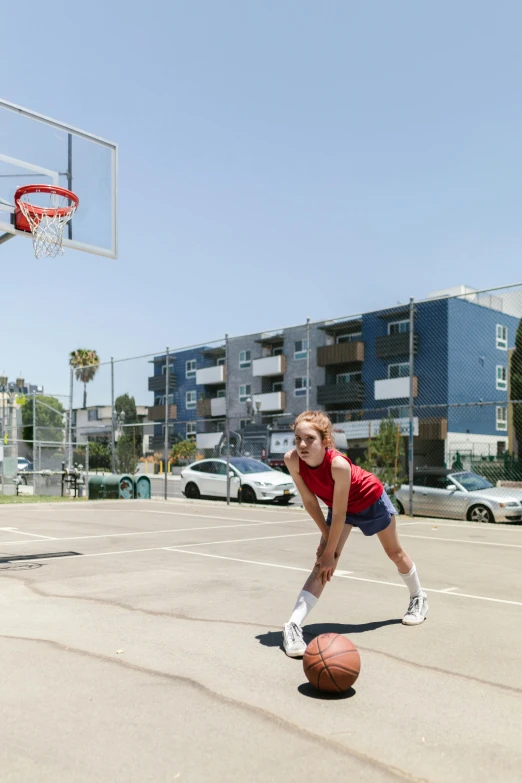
69,176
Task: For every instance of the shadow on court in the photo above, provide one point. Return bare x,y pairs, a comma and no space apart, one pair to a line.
275,638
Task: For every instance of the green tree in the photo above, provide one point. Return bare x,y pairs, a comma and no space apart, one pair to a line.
516,386
383,451
126,459
86,364
183,451
126,405
50,422
99,456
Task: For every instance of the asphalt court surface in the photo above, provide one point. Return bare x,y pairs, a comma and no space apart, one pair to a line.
141,641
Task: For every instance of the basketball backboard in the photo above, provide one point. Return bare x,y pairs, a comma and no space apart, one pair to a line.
36,149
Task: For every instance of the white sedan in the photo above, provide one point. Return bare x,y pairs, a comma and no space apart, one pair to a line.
255,480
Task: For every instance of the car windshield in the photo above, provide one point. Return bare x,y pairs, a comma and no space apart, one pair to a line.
246,465
471,481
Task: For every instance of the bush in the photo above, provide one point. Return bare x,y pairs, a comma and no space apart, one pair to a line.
183,452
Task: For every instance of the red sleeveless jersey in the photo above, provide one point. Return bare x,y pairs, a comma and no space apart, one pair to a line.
365,488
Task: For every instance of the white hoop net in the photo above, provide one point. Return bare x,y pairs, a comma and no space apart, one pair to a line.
47,229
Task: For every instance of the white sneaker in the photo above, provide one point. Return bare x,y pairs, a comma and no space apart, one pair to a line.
417,610
293,641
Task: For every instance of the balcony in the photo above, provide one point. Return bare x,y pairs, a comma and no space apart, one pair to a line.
208,440
342,353
211,375
395,388
157,412
273,401
211,407
270,365
391,345
157,382
340,393
433,429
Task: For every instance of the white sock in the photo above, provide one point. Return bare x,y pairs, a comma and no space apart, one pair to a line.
412,582
305,603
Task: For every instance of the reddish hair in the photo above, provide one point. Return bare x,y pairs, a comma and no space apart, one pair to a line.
320,422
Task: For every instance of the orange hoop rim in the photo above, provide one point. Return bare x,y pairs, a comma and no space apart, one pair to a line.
52,190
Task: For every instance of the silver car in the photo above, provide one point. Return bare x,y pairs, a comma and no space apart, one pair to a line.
460,495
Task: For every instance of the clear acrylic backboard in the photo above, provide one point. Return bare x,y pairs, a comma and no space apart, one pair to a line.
36,149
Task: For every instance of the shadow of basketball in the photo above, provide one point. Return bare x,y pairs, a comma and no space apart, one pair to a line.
308,690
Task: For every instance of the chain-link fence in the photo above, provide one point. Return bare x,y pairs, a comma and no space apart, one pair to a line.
418,393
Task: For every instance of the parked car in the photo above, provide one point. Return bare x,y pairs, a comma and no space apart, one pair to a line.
24,464
460,495
256,480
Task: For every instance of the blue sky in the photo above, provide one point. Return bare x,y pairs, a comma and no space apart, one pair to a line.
305,159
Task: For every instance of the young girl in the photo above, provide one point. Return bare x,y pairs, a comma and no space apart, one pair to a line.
354,497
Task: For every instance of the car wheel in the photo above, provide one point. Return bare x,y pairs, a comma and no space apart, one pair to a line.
248,495
480,514
400,506
192,491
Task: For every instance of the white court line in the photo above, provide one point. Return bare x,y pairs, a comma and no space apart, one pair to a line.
449,589
462,541
443,591
500,527
242,540
152,532
214,516
22,533
343,576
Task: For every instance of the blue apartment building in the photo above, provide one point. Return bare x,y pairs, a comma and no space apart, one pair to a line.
359,373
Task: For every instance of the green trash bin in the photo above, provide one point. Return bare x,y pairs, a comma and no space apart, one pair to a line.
142,490
111,487
96,488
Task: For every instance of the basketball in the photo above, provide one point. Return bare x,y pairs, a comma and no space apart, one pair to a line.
331,663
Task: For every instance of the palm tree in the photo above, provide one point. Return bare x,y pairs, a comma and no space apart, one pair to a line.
85,365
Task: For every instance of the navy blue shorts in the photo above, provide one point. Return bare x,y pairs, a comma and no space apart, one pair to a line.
373,519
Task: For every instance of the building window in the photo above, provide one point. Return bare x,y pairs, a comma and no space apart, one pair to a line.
277,351
300,387
349,377
399,327
399,412
221,361
349,338
401,370
301,349
277,386
501,377
502,337
164,368
190,432
190,369
245,359
244,392
92,415
190,400
501,418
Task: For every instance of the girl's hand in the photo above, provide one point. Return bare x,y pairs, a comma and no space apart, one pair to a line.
321,547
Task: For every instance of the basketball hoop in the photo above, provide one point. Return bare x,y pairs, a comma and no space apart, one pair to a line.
46,223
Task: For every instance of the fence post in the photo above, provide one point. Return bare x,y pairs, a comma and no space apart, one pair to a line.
87,470
227,420
410,412
69,438
166,445
113,421
308,364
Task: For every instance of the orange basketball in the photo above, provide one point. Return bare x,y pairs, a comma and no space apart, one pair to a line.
331,662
